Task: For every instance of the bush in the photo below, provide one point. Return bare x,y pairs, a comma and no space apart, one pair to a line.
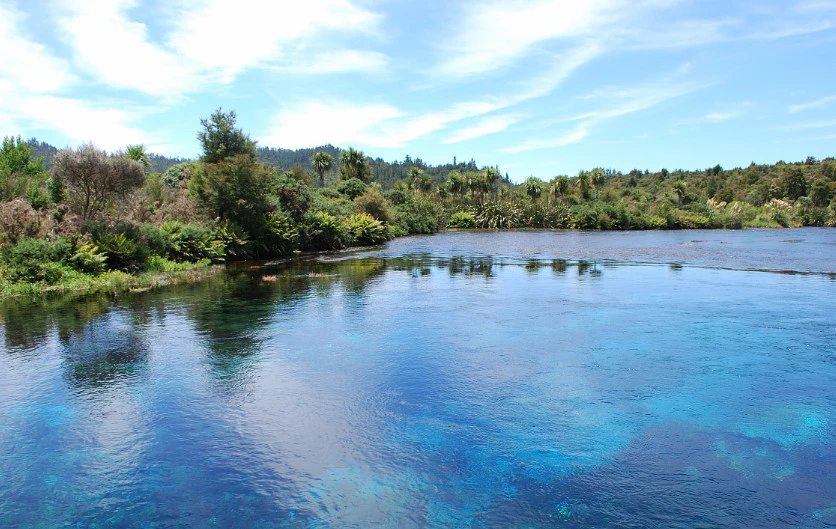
36,260
124,245
89,259
363,229
322,231
352,188
175,174
416,215
498,215
462,220
17,221
281,237
373,203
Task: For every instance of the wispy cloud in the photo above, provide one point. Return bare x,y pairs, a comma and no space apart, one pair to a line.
577,134
250,40
486,126
812,104
613,102
27,64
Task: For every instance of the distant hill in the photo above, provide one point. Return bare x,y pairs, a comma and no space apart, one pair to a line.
383,172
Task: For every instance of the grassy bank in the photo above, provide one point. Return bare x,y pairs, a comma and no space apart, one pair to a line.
112,281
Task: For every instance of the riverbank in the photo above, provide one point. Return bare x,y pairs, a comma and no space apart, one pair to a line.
113,281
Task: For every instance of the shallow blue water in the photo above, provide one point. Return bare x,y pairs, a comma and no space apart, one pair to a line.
431,384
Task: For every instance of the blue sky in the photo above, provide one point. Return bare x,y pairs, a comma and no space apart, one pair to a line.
538,87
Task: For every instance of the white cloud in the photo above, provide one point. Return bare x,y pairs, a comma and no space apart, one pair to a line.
28,64
487,126
311,123
108,126
339,61
232,36
718,117
498,33
812,104
118,52
577,134
617,102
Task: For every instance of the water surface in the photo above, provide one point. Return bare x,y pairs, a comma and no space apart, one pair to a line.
464,380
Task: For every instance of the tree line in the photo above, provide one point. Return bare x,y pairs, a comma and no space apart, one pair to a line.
91,212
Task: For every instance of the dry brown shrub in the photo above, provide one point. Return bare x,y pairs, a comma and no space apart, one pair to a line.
17,221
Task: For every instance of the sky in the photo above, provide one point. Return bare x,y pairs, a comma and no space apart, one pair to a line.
537,87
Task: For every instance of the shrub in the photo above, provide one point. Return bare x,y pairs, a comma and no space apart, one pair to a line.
352,188
281,237
373,203
416,215
175,174
322,231
89,259
462,220
498,215
36,260
17,221
364,229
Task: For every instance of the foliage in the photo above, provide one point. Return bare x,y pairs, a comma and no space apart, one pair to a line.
416,215
322,232
17,221
220,140
363,229
178,173
352,187
19,170
124,246
137,153
374,203
89,259
353,164
498,215
36,260
293,196
322,163
462,220
93,180
233,189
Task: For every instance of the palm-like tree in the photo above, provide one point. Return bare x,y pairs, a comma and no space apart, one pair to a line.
679,189
425,182
583,184
137,153
561,186
597,180
353,165
457,184
491,177
414,177
534,188
322,163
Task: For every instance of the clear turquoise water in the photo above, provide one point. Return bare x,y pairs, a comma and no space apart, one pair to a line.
465,380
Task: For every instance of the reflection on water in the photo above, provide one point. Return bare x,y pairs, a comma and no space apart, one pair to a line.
426,389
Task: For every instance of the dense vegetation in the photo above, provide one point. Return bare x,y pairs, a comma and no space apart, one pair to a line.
80,217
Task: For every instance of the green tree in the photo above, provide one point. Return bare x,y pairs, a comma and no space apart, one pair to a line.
233,189
353,164
137,153
561,186
322,163
457,184
18,169
597,180
220,140
491,178
534,188
583,185
679,189
92,180
794,183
